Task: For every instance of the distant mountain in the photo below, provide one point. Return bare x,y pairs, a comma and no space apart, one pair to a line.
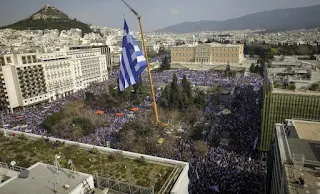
281,19
49,17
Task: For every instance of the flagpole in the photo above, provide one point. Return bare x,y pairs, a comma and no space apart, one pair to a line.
155,109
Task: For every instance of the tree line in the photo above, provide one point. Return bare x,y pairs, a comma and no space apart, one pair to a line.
175,97
60,24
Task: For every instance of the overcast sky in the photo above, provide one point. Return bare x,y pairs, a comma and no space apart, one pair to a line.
155,14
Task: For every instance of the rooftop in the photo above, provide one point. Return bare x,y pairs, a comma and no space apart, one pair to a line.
304,139
300,154
312,182
294,76
41,179
209,44
295,92
127,167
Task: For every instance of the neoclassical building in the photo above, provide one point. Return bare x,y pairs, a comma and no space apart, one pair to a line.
208,53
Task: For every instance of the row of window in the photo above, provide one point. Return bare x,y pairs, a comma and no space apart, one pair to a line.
206,49
205,54
56,65
280,107
59,74
35,99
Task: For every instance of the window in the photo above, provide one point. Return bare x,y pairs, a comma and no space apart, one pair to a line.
9,60
34,58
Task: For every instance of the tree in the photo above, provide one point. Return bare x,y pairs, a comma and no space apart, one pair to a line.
252,68
291,86
165,65
228,69
201,148
66,130
85,124
152,53
139,88
186,86
165,97
196,133
315,87
175,98
175,93
201,98
276,84
52,120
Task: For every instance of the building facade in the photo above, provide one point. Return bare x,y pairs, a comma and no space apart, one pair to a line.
283,103
211,53
30,78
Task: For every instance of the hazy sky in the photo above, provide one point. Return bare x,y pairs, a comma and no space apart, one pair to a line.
155,13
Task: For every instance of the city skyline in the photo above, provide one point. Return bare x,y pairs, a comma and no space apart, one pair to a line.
110,13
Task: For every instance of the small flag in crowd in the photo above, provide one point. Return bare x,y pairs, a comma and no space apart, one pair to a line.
197,172
215,188
132,61
255,143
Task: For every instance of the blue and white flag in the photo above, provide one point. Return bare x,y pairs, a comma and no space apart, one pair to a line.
132,61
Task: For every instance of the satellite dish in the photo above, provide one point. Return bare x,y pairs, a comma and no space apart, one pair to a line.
69,162
13,163
57,156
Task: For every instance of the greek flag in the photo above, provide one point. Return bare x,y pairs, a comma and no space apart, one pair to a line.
132,61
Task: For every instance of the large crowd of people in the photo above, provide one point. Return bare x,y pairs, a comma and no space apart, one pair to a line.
232,168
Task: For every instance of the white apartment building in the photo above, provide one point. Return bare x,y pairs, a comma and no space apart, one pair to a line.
30,78
153,47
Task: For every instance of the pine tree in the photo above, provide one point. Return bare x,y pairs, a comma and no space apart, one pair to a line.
165,97
165,64
252,68
186,86
175,92
187,97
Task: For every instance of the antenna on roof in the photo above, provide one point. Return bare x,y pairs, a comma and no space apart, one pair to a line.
56,163
57,168
72,169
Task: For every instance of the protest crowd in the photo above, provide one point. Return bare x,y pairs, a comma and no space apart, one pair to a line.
233,168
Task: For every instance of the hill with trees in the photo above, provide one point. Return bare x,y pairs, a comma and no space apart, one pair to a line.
49,18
